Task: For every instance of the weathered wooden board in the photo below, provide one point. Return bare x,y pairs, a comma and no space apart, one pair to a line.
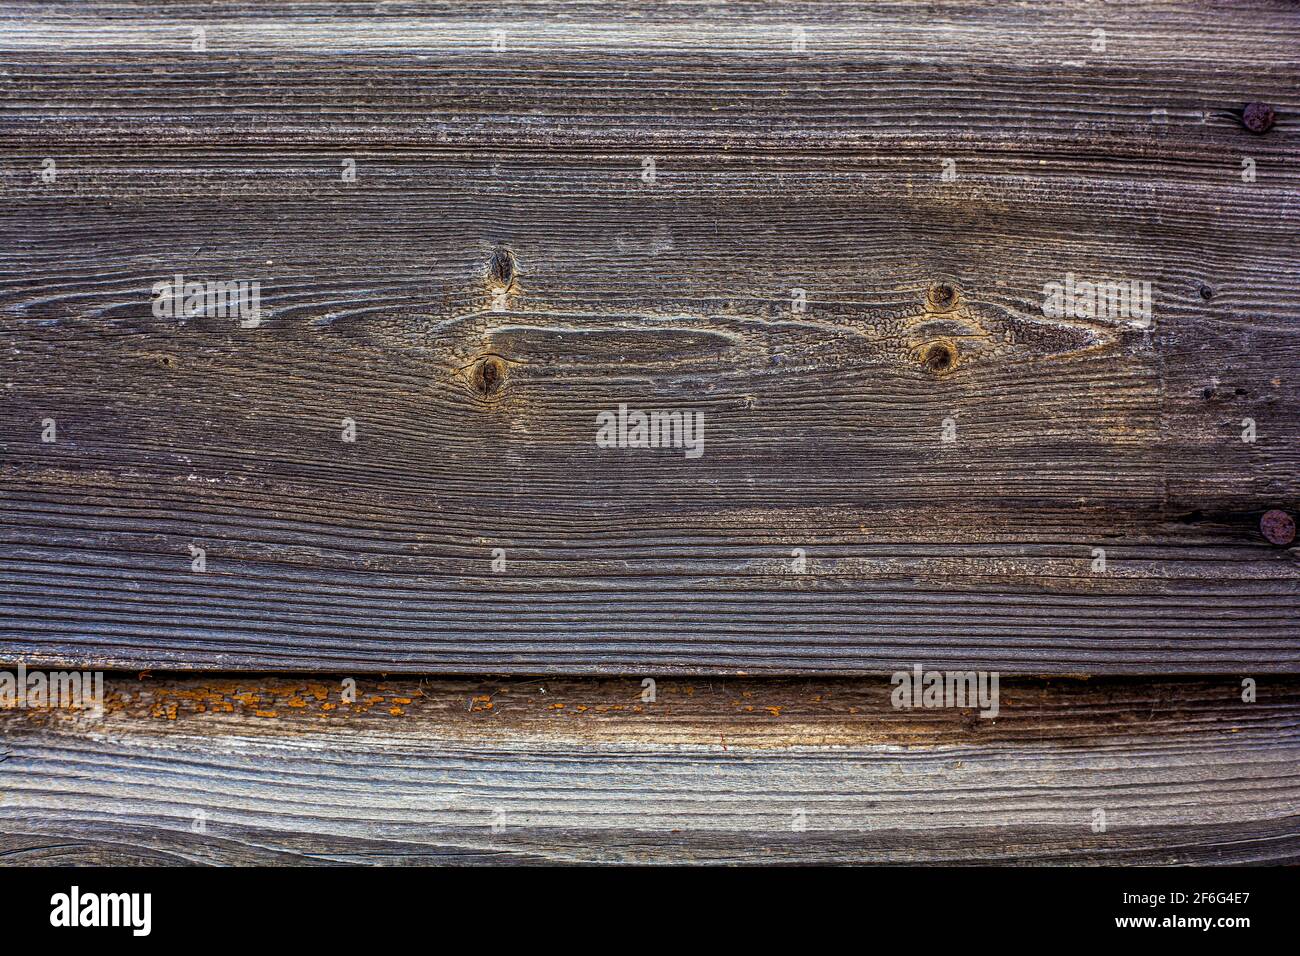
970,77
255,770
774,170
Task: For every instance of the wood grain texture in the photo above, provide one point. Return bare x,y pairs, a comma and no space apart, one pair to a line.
873,76
284,771
774,171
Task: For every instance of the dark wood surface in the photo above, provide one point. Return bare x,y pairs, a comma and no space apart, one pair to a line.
283,771
498,274
775,170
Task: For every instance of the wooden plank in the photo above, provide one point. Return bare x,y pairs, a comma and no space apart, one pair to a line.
824,429
284,771
824,432
648,74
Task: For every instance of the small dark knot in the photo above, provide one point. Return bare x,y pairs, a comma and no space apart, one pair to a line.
942,296
939,357
488,376
501,269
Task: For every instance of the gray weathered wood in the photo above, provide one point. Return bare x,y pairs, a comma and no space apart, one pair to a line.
415,771
284,771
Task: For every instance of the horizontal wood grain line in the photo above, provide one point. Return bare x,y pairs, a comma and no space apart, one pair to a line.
252,615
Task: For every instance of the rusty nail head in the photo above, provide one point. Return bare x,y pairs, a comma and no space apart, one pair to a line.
1278,527
1258,117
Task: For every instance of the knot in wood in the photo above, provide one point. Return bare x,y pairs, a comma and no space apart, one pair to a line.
501,270
939,357
942,297
488,376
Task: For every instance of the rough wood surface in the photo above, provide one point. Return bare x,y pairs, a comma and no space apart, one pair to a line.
775,170
284,771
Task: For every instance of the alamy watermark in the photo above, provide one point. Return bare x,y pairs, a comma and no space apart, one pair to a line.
64,690
1081,299
633,428
75,908
176,298
919,688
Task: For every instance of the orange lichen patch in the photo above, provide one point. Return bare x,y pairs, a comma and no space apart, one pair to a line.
266,713
396,711
164,710
402,700
295,702
582,708
774,711
328,706
557,707
169,702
